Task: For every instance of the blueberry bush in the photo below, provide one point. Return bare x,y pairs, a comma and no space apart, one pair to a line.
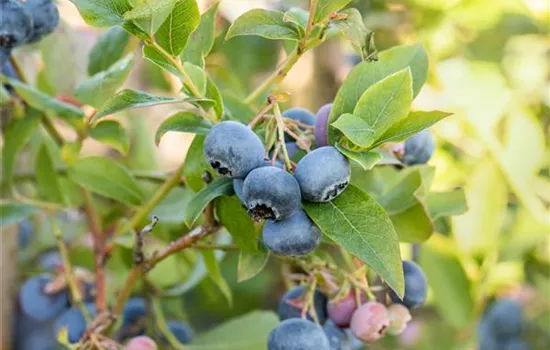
374,246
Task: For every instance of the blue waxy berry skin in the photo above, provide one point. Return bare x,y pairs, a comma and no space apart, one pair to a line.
297,334
505,318
335,335
301,115
323,174
45,18
233,150
15,25
36,303
74,321
271,193
294,236
288,309
416,286
418,148
183,332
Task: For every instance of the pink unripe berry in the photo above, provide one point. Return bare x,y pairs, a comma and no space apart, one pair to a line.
141,343
370,322
341,309
399,317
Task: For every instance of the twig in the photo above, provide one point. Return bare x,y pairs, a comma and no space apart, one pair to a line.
209,246
139,257
281,132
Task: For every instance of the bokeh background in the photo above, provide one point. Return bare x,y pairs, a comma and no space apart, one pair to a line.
489,65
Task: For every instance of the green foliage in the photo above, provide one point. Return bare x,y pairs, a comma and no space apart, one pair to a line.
236,220
264,23
326,7
219,187
110,47
112,133
181,22
13,213
202,39
47,180
183,122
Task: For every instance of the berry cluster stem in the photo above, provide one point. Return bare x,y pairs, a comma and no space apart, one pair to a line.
281,131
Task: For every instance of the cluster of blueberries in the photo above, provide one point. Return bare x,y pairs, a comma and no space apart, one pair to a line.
348,320
501,327
24,22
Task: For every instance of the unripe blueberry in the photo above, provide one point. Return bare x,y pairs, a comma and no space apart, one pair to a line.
291,304
505,318
271,193
297,334
15,24
321,125
323,174
370,322
299,114
233,150
399,317
335,335
74,321
45,18
294,236
141,343
418,148
416,286
340,310
38,304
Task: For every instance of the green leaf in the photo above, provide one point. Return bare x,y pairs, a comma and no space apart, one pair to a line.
358,223
386,102
12,213
70,152
353,29
195,164
251,264
215,274
219,187
446,203
202,39
448,280
367,160
413,225
235,219
169,210
109,48
357,130
102,13
47,178
299,17
411,125
264,23
206,87
153,55
247,332
128,99
47,104
197,76
107,178
16,135
96,90
181,22
147,8
326,7
367,73
404,192
213,93
183,122
237,109
111,133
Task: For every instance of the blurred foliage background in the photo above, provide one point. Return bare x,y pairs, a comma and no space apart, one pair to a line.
489,65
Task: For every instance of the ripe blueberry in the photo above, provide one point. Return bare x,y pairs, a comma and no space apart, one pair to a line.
416,286
74,321
45,18
370,322
399,317
515,344
181,331
25,234
294,236
335,335
299,114
39,305
30,334
291,304
321,125
292,148
323,174
50,260
16,24
486,338
141,343
297,334
238,183
505,318
271,193
133,318
233,150
341,309
418,148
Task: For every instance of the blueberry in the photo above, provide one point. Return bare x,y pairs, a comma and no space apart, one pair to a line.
39,305
399,317
335,335
233,150
141,343
416,286
485,336
505,318
299,114
294,236
370,322
321,125
271,193
323,174
238,188
50,260
74,321
341,309
418,148
515,344
25,233
30,334
181,331
297,334
16,24
133,318
292,148
291,302
45,18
